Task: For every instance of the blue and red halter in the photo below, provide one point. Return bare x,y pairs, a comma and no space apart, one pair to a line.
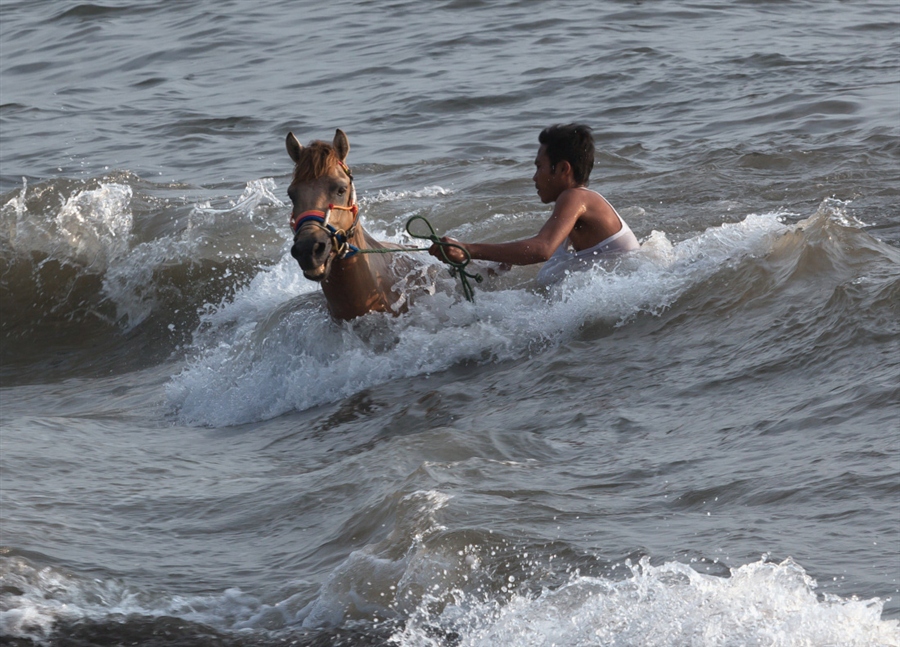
339,238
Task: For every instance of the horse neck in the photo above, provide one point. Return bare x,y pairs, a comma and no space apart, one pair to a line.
352,287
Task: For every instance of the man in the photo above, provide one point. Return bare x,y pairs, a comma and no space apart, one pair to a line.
583,224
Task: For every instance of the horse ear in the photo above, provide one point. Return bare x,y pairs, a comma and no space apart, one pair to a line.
341,144
293,147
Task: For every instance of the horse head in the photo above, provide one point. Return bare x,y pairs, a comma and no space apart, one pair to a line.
325,214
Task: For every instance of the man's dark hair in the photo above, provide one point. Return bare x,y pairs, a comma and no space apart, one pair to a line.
572,143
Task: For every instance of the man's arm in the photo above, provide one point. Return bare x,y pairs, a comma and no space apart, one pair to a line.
536,249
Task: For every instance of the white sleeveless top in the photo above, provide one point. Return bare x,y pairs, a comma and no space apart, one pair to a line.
565,259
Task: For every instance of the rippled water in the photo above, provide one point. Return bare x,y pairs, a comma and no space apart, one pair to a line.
694,445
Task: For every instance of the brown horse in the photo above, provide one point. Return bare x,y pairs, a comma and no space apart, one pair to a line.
328,238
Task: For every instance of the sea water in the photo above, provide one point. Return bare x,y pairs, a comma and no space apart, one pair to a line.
694,444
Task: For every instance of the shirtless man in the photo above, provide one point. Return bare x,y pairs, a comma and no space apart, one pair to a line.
583,224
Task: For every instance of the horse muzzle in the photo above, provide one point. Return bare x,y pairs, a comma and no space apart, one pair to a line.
312,250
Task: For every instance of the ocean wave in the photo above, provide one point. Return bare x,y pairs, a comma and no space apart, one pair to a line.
268,352
112,251
429,597
90,227
662,606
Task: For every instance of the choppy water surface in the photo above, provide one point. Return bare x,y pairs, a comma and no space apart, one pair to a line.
694,445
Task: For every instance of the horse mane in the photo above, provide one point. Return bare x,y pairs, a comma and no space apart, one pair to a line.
315,161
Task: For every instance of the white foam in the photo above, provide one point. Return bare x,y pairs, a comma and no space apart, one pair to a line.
97,224
663,606
16,206
90,229
45,596
835,210
269,351
395,196
35,599
130,281
256,193
435,590
93,231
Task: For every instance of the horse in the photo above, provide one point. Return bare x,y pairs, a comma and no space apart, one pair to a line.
329,241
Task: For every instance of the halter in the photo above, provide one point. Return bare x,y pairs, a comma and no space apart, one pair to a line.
340,238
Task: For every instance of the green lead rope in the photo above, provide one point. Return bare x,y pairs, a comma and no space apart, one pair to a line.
456,269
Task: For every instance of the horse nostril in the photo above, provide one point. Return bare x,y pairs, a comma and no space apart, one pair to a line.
320,249
295,252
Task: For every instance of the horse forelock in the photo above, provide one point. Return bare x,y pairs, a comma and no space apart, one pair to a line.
316,160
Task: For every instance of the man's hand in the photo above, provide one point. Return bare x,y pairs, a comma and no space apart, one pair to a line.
445,252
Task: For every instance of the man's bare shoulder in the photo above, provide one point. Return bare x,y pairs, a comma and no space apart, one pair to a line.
576,197
584,200
596,219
